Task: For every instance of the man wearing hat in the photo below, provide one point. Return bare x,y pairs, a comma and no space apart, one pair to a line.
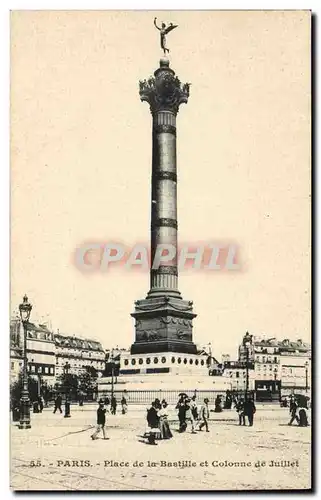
205,415
101,420
189,415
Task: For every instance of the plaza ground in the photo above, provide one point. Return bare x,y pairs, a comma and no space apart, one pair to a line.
54,443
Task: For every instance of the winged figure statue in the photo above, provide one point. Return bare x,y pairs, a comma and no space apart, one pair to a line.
164,30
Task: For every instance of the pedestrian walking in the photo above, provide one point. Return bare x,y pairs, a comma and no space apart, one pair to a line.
293,403
40,404
113,405
249,410
58,403
101,421
123,403
239,406
181,407
193,406
293,412
81,399
189,415
228,400
153,423
163,421
204,415
218,404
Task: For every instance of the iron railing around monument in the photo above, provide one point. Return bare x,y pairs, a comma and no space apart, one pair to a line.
145,397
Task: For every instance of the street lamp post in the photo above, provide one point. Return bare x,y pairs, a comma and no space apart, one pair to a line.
25,311
306,376
247,342
39,384
67,403
112,372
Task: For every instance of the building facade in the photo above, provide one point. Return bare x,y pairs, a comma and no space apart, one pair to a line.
295,366
78,355
41,353
49,353
236,374
275,367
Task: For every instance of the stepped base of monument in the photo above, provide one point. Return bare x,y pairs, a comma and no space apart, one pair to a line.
144,388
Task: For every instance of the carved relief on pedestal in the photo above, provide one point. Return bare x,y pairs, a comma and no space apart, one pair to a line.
177,321
183,335
149,335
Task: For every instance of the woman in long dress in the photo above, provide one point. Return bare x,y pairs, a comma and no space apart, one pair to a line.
163,422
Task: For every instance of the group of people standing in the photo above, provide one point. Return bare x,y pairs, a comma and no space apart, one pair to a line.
157,420
157,417
111,405
246,409
188,414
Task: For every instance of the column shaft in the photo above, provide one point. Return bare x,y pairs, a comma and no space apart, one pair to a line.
164,200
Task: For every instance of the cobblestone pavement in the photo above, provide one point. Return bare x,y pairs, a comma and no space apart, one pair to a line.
225,458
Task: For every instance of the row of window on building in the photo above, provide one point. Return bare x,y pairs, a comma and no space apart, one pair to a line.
163,360
237,374
100,364
264,367
78,354
266,359
285,371
44,370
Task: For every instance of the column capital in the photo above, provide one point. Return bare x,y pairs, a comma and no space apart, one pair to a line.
164,91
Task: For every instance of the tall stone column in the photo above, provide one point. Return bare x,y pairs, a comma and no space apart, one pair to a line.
163,318
164,93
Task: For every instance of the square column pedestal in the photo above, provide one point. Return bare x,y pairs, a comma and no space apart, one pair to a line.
162,325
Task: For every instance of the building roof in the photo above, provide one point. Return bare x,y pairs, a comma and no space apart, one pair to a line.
77,343
284,344
38,328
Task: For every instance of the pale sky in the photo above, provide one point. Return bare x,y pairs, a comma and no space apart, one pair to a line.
81,166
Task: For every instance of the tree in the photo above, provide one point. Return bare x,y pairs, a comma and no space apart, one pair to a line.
88,381
68,383
16,390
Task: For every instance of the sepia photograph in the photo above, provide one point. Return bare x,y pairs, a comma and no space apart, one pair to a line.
160,283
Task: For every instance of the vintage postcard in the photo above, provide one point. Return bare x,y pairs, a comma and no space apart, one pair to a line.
160,324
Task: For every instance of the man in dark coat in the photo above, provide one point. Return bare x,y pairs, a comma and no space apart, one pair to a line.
40,403
58,402
153,422
249,410
182,408
101,421
228,400
239,405
218,404
113,405
293,412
